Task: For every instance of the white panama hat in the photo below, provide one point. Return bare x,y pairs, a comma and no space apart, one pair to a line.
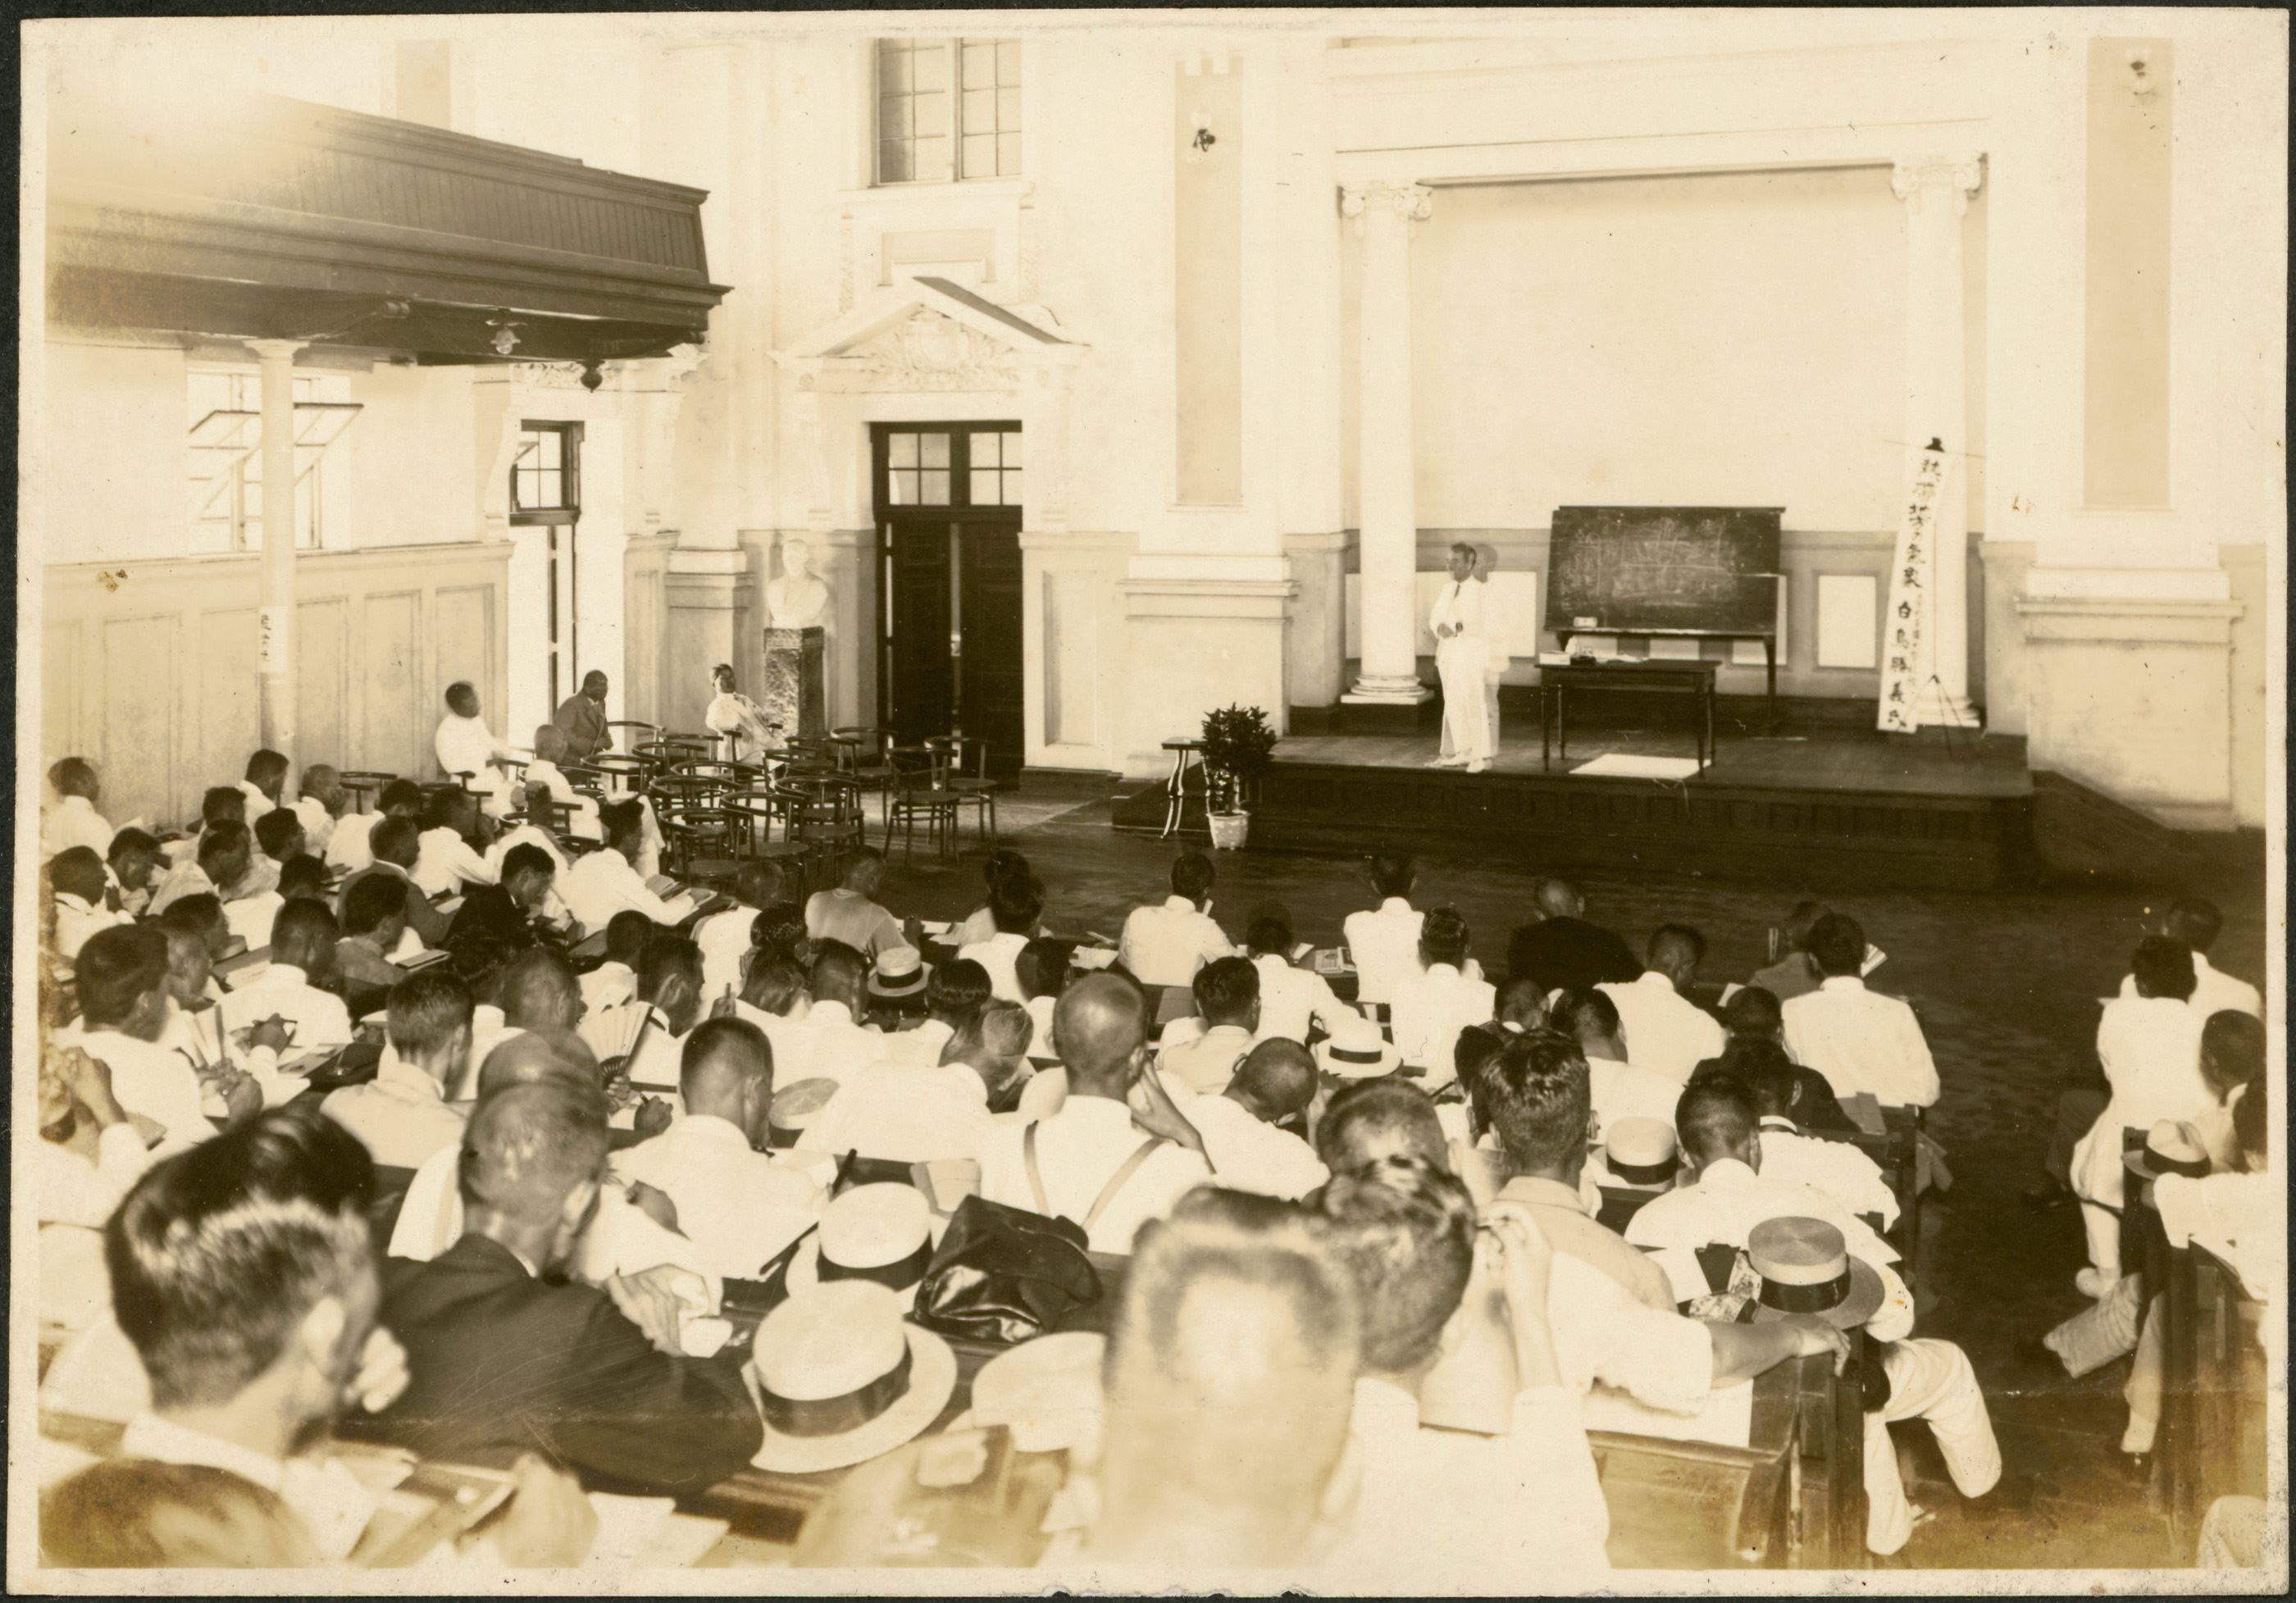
842,1378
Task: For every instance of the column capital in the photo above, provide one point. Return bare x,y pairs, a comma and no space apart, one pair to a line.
276,350
1959,175
1408,204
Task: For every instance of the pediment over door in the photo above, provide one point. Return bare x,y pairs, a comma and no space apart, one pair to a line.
931,334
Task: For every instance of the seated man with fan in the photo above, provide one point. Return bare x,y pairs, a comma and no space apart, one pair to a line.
647,1033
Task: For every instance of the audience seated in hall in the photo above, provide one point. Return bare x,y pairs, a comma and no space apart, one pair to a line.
121,980
1015,902
374,921
73,821
739,1206
1621,1088
264,784
918,1112
89,1153
831,1040
551,748
1562,951
279,835
216,865
849,912
236,1079
1666,1032
290,986
465,746
615,981
1089,1161
1839,1168
394,844
1729,1196
980,923
1859,1040
602,883
521,911
1251,1127
1794,972
725,938
501,1360
1291,1000
1200,1054
1383,941
1756,1020
1043,971
77,888
134,862
955,994
1431,1007
2194,923
402,1117
1165,944
647,1033
445,860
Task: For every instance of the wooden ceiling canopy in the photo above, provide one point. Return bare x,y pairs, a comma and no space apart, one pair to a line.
287,220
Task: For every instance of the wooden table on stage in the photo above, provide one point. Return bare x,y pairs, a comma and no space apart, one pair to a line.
1672,676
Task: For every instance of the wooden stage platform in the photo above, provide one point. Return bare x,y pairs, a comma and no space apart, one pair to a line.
1825,810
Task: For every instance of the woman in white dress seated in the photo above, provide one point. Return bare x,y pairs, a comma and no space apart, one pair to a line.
741,720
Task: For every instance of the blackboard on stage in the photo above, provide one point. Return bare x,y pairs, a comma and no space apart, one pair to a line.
1663,570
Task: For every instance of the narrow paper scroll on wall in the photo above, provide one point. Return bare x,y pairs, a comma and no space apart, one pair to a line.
1905,633
271,640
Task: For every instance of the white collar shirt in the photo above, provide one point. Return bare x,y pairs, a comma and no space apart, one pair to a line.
525,834
1248,1154
1526,1503
1603,1335
921,1048
1079,1151
320,1020
319,824
443,862
904,1113
582,810
1427,1014
2151,1050
602,883
835,1046
978,925
1627,1091
1166,944
724,938
257,802
1460,602
1569,1219
401,1116
251,918
1384,945
1291,1000
1840,1169
186,878
1205,1062
1000,954
1862,1041
68,1189
1041,1010
150,1079
76,920
739,1206
1730,1199
1666,1032
792,1044
610,985
74,821
2235,1216
332,1504
350,845
2213,991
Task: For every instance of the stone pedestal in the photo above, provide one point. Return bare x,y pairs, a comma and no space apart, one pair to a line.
791,693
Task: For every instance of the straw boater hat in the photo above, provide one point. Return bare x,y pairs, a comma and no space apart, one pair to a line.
841,1379
874,1232
1640,1152
899,973
1047,1391
1356,1050
795,1106
2169,1147
1806,1269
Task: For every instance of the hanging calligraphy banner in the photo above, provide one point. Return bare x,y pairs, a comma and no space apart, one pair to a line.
1905,634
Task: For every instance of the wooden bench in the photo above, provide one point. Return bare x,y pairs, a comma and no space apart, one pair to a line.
2211,1441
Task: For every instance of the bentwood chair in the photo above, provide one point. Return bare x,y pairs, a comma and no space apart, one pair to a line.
825,815
756,810
862,753
921,796
975,789
629,734
364,786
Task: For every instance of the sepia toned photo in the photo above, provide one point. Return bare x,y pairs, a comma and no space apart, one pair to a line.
1476,802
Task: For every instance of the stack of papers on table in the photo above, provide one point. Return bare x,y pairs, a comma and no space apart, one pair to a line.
1620,764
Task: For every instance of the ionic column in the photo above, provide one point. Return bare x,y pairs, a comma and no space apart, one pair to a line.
1386,510
274,662
1936,190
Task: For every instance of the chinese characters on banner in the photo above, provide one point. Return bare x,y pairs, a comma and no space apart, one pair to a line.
1905,627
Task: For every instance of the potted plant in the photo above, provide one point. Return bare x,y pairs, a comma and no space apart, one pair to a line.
1239,745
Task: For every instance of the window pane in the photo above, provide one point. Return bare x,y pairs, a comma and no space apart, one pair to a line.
551,488
901,450
1008,62
552,444
893,114
892,66
980,66
931,62
984,449
933,491
931,120
211,537
1011,487
1008,155
893,164
980,156
901,486
529,448
979,111
983,490
931,160
1008,110
251,502
936,450
1011,438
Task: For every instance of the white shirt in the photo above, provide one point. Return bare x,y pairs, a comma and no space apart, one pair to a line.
1841,1169
1384,945
1204,1063
401,1116
330,1502
1730,1200
2236,1216
1460,603
74,821
1525,1503
319,1017
904,1114
739,1206
444,861
351,844
75,1196
1862,1042
508,841
582,816
251,918
919,1048
831,1045
1602,1334
1665,1031
610,985
1041,1010
724,938
978,925
257,802
612,1032
998,954
602,883
2151,1050
76,920
186,878
2213,991
319,824
1249,1155
1291,999
148,1079
1427,1013
467,746
1627,1091
1079,1150
1165,945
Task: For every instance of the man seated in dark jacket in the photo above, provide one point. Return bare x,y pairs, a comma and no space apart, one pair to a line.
1562,952
507,1356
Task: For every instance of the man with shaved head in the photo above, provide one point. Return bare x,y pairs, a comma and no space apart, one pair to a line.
1091,1162
737,1203
1251,1129
506,1358
1666,1031
832,1039
1562,951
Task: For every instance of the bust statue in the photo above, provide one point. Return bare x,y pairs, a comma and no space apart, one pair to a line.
797,600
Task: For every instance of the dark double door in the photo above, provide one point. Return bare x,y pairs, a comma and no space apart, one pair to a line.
949,630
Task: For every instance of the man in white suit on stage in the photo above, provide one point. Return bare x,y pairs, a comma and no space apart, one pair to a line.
1461,660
